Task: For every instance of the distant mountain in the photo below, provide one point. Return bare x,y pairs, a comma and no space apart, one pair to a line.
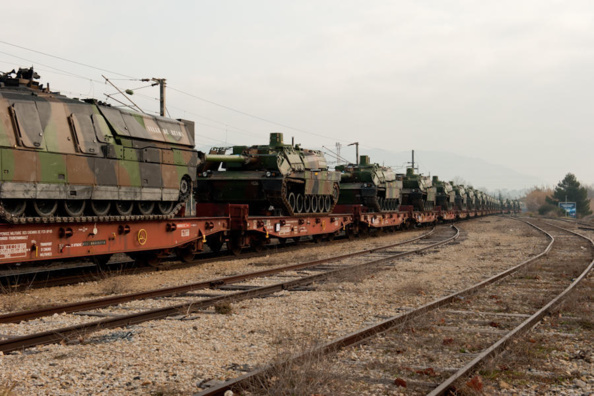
467,170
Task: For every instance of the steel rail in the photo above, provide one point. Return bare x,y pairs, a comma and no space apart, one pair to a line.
516,332
57,335
374,330
15,317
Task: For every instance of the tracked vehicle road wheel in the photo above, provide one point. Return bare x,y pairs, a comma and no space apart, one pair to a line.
307,203
292,202
321,208
299,203
165,207
145,207
314,204
15,207
100,208
124,208
74,208
327,203
45,207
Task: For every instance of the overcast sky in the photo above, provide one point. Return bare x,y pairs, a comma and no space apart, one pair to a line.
510,82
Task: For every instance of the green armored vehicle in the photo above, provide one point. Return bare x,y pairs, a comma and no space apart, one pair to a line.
287,178
418,191
446,195
370,185
461,196
472,201
63,157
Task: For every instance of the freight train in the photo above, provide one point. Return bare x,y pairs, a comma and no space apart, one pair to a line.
80,178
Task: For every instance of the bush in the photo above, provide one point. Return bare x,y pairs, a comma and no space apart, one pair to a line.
550,210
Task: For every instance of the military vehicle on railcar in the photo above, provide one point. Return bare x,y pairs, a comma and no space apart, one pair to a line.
371,185
445,194
418,191
280,178
64,157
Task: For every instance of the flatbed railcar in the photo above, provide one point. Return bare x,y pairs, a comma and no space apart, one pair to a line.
215,225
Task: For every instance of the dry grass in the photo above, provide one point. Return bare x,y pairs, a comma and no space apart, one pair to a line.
111,282
7,389
224,308
306,376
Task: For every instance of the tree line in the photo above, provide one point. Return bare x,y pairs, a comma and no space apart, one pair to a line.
546,201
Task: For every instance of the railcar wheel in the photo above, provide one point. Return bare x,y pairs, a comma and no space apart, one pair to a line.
100,208
299,203
74,208
124,208
307,203
314,204
101,260
149,259
45,207
234,247
257,244
165,207
185,254
145,207
15,207
292,202
215,243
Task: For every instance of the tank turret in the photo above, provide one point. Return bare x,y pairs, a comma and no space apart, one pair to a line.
288,178
370,185
418,191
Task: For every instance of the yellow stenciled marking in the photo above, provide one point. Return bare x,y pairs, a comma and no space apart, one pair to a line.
142,236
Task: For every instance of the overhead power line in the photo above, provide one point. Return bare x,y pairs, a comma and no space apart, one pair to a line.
171,88
64,59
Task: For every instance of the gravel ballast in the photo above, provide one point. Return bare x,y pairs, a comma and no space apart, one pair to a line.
184,356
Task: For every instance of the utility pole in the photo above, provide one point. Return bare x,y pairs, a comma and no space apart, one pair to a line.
338,147
162,83
356,144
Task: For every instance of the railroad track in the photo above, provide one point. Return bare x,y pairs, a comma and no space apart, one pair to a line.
19,279
196,297
436,348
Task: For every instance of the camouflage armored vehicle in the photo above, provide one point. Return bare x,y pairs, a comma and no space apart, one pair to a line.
471,202
290,179
461,196
418,191
370,185
446,195
63,157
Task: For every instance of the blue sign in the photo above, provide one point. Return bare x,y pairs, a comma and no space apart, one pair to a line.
569,208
